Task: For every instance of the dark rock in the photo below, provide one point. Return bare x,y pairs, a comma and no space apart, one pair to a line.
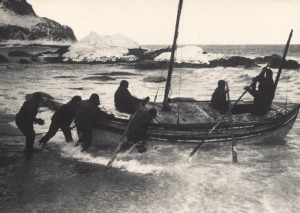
266,59
155,79
234,61
137,52
292,64
20,7
77,88
52,30
58,52
46,29
101,78
24,61
53,59
152,54
3,59
275,63
62,50
18,53
259,60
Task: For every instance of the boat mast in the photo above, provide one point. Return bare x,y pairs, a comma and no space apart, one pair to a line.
283,59
170,71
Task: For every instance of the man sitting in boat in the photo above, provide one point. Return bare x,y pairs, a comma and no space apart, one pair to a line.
218,99
124,101
62,119
86,117
264,95
138,128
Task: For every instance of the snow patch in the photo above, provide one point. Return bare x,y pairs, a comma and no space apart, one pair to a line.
190,54
101,48
10,18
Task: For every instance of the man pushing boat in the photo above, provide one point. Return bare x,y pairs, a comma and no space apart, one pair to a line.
62,119
86,118
138,127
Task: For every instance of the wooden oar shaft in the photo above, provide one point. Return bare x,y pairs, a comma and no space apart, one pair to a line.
214,127
233,144
109,164
276,82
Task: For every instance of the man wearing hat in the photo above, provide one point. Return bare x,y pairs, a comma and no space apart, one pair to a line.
218,99
124,101
26,117
86,117
62,119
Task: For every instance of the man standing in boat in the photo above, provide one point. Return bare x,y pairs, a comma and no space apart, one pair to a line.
218,99
86,118
124,101
264,95
62,119
26,117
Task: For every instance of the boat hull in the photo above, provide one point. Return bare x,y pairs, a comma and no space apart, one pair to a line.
110,132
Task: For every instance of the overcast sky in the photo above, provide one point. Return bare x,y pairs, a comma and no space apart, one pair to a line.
202,21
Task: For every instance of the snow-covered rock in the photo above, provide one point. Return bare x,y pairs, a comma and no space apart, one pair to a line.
190,54
101,48
18,22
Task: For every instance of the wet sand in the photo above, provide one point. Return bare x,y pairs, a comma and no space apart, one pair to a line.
46,182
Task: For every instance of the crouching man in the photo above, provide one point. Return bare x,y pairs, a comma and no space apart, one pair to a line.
62,119
138,128
86,118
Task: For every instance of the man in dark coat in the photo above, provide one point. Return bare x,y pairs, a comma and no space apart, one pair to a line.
26,117
124,101
138,128
264,95
86,118
218,99
62,119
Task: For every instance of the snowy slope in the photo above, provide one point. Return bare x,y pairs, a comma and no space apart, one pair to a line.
20,24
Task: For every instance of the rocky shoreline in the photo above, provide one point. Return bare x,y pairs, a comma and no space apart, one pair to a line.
145,60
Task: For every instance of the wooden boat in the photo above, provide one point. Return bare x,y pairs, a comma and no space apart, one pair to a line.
198,122
198,119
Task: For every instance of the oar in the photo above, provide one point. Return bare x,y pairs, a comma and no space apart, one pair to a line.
214,127
117,150
233,143
276,82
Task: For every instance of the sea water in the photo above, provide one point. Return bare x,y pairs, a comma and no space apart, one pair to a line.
265,179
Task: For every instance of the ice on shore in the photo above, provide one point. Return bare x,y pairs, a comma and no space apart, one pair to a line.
190,54
101,48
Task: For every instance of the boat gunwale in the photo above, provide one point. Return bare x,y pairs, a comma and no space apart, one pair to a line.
224,124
